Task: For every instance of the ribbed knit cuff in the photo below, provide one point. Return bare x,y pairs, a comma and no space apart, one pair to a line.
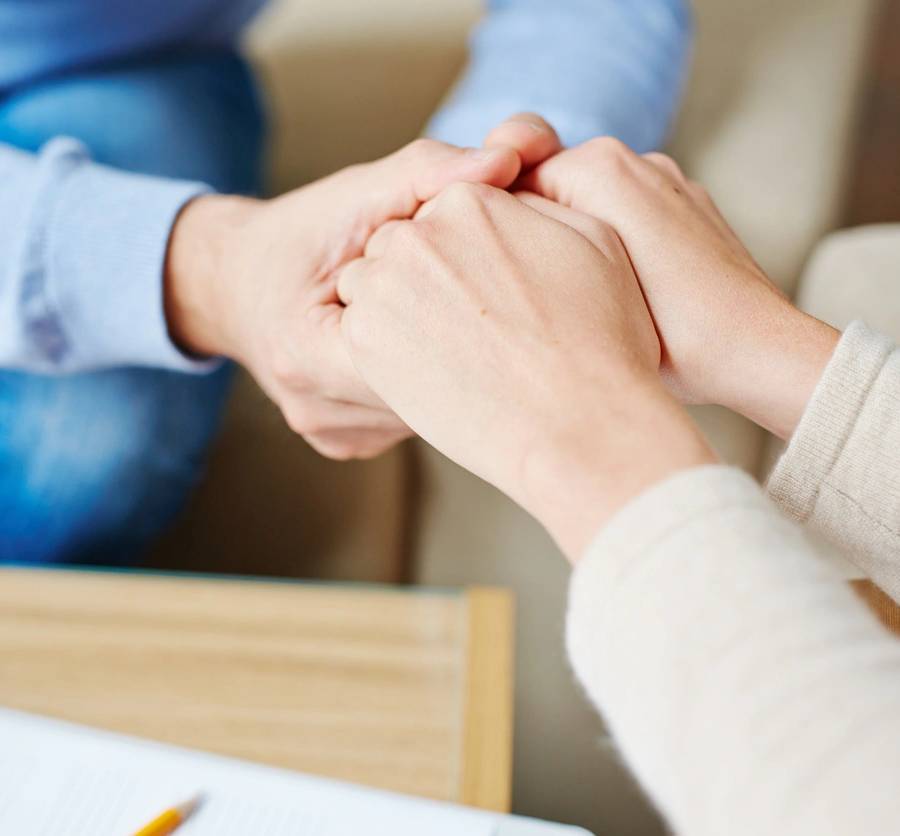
95,264
828,421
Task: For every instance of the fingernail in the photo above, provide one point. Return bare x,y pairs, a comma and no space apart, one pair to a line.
537,125
482,153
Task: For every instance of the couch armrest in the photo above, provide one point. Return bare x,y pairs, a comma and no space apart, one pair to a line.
769,117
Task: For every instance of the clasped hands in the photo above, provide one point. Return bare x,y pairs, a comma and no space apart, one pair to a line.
539,315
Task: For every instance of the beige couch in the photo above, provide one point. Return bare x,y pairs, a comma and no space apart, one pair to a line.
766,125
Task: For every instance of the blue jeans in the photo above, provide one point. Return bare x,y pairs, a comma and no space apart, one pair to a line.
92,466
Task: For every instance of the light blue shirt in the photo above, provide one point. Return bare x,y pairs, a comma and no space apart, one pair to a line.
71,229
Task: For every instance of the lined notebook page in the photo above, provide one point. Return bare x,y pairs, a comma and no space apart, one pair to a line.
58,779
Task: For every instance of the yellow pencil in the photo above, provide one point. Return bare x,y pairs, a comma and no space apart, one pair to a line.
171,819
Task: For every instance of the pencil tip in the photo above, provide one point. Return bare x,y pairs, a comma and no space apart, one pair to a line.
189,807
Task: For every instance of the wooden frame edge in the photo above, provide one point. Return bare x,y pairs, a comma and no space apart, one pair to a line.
486,767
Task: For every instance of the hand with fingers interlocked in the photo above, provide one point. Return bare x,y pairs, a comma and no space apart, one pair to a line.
254,280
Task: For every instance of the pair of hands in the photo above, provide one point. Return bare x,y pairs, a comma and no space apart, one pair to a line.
543,340
524,336
256,280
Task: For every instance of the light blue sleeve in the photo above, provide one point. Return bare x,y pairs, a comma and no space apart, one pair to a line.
590,67
82,255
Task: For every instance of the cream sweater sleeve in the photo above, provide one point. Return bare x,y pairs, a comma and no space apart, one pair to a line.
841,472
747,687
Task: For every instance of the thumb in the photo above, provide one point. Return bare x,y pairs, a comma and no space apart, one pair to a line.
532,137
420,171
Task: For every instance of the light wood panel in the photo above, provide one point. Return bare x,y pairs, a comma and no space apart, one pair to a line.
488,732
371,685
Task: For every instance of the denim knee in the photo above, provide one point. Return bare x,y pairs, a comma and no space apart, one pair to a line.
92,466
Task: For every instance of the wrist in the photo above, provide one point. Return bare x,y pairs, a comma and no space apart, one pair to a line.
574,479
781,370
200,271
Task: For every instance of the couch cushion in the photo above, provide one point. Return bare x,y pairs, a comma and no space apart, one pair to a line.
351,81
769,117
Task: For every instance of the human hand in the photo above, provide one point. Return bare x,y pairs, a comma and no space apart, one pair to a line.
254,280
729,336
522,349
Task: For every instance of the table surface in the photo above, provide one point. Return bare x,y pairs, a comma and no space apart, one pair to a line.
400,688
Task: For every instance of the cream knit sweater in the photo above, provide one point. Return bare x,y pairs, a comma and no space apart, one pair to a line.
747,687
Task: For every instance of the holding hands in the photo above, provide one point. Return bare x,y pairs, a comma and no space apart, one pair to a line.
543,340
515,339
729,336
540,338
254,280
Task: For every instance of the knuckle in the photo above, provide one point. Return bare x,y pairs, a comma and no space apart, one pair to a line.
421,149
284,368
666,163
459,192
354,329
673,165
466,195
344,285
339,451
604,234
405,234
609,152
376,449
698,191
405,239
603,237
376,242
302,419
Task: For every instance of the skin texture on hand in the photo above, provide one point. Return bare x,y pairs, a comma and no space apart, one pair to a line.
254,280
520,346
729,336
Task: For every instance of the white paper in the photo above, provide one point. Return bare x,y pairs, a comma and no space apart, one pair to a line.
59,779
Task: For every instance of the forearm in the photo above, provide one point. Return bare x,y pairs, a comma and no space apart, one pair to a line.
83,248
747,688
776,357
591,67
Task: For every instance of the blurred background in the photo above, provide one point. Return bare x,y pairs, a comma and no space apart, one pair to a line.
792,120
